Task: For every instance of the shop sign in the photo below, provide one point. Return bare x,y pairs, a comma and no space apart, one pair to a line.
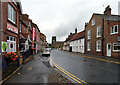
33,33
12,28
4,46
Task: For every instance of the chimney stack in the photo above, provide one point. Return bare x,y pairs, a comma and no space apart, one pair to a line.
107,10
86,24
75,30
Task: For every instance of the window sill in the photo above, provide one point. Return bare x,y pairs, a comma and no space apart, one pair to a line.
98,37
114,33
88,50
116,50
12,22
98,50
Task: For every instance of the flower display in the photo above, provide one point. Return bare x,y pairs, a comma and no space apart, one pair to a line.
12,56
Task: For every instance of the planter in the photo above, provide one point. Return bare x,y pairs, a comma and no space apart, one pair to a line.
8,60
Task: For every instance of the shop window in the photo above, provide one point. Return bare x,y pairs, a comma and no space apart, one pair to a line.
11,45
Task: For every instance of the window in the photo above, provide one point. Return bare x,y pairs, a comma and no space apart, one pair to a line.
79,41
116,46
93,22
99,31
11,14
80,46
20,26
114,29
98,44
88,46
89,34
11,44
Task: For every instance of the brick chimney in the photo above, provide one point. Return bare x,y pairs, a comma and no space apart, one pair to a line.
71,33
26,16
107,10
75,30
86,24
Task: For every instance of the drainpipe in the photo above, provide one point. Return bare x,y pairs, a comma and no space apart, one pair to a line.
103,36
0,44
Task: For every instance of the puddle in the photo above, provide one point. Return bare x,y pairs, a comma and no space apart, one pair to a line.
45,60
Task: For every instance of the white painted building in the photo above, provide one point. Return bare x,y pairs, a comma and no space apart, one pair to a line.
78,42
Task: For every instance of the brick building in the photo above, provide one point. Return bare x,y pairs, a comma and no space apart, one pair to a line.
43,43
102,34
10,13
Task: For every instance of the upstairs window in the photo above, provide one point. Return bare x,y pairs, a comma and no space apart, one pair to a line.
114,29
99,31
93,22
11,14
89,35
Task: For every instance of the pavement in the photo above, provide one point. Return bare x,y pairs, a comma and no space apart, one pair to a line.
37,71
87,68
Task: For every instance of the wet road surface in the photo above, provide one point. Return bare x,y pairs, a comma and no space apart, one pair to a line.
89,70
34,71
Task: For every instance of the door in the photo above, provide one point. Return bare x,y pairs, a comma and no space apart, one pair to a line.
109,49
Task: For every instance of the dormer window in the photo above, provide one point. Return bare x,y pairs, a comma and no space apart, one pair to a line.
93,22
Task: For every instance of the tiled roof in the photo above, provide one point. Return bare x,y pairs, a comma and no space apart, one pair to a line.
78,36
70,37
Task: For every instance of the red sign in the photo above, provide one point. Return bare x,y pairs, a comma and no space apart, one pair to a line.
12,28
33,33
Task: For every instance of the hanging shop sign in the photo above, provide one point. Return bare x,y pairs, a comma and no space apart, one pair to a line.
4,46
12,28
33,33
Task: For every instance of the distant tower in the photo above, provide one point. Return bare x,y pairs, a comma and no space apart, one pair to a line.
53,39
119,8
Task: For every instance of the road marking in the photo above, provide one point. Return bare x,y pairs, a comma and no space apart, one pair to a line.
69,74
97,58
10,75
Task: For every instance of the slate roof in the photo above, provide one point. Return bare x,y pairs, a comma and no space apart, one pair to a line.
109,17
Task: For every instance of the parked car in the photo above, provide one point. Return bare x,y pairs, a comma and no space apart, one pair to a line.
46,52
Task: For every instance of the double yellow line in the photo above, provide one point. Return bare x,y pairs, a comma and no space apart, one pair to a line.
73,77
10,75
96,58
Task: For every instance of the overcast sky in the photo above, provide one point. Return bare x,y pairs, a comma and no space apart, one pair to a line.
60,17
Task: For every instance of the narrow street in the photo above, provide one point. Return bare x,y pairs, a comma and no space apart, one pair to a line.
86,69
36,71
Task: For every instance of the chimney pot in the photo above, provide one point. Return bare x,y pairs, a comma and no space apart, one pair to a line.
107,10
